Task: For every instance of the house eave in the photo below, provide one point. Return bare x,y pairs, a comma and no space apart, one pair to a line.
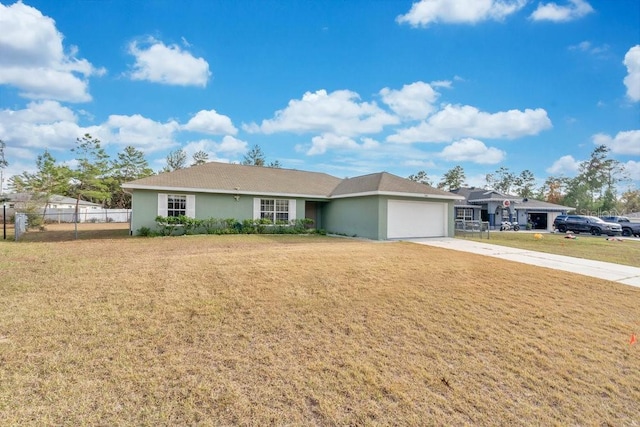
494,200
399,194
212,191
542,208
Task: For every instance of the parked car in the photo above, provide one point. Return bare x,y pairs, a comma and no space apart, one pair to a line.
586,224
559,219
628,228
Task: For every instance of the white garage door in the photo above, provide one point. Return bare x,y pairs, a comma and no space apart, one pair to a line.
407,219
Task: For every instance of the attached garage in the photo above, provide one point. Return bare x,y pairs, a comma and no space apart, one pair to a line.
413,219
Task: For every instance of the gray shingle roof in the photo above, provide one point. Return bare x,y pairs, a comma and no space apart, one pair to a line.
70,200
540,204
386,183
481,195
241,179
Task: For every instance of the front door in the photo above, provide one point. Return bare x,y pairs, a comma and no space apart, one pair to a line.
312,212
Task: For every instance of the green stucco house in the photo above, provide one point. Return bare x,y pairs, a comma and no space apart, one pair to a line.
377,206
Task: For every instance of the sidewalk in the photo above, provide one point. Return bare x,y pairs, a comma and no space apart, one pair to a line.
603,270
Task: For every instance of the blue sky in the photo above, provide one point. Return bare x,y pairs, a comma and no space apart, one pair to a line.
344,87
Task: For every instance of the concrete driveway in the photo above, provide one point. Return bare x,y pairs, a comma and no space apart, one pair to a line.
603,270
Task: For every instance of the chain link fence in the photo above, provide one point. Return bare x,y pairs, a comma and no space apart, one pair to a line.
66,220
59,216
472,228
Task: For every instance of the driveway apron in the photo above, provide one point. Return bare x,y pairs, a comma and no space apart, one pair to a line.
602,270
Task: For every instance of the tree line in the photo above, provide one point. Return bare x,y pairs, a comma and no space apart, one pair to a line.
592,190
98,178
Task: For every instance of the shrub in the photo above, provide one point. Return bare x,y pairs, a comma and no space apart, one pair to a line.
144,232
169,225
302,225
175,226
249,226
34,220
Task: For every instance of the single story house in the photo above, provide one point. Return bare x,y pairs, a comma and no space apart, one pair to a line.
495,207
21,202
377,206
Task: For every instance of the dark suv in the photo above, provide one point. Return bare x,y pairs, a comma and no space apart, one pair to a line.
628,228
586,224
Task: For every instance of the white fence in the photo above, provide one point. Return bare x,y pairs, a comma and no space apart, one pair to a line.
87,215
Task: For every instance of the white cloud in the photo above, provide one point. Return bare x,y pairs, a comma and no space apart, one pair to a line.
210,122
478,180
564,166
320,144
328,141
472,150
627,142
424,12
337,112
413,101
441,83
632,80
217,151
370,143
43,125
632,168
194,146
455,121
159,63
41,112
588,47
553,12
141,132
231,145
32,57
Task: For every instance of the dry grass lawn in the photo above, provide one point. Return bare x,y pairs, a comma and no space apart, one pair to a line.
82,231
303,330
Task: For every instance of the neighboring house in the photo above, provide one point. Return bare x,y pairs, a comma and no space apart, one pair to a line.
495,207
377,206
62,202
22,201
61,208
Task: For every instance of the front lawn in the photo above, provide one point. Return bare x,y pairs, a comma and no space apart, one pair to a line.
306,330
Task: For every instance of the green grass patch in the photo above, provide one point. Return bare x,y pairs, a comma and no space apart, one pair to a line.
617,250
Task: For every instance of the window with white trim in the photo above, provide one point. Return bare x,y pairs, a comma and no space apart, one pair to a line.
275,210
174,205
465,214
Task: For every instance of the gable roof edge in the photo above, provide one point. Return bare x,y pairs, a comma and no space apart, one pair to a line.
398,194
